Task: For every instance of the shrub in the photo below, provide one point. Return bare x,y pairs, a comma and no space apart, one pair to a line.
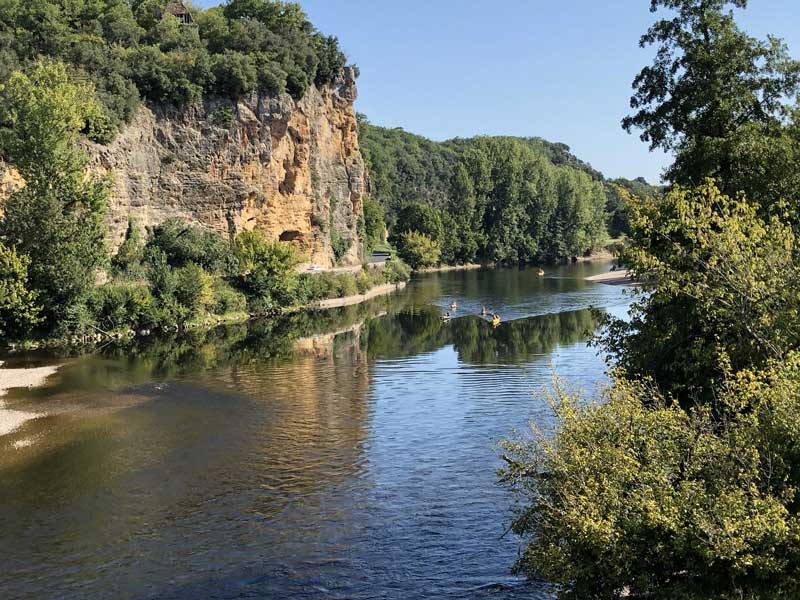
182,244
194,288
226,299
636,497
419,250
131,252
363,282
159,273
346,285
114,307
339,244
223,117
18,308
396,271
266,269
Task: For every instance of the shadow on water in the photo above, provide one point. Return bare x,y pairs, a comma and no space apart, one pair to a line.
345,454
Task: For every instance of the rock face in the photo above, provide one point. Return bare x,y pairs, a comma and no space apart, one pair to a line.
290,169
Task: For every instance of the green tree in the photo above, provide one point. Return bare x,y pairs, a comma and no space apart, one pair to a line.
374,225
267,270
419,250
421,218
194,288
721,291
56,218
19,311
711,90
634,497
131,252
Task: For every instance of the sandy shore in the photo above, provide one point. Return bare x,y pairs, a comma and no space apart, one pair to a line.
446,268
615,278
10,420
381,290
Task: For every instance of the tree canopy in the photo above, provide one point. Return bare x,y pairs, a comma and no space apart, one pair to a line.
497,199
136,49
719,98
55,220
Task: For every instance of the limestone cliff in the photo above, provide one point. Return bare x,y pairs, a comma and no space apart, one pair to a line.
290,169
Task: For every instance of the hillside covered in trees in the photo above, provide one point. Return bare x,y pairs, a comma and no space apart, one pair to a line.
138,49
500,199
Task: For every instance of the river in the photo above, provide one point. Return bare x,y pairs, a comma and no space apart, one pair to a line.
346,454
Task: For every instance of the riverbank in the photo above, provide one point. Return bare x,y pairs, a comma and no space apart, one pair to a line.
11,420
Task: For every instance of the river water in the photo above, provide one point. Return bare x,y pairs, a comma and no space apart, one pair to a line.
346,454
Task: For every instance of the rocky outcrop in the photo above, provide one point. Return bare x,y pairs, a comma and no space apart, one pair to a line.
292,169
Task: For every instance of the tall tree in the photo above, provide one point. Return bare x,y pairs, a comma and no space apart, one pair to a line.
710,91
56,218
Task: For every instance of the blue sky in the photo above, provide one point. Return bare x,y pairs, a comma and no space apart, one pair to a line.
558,70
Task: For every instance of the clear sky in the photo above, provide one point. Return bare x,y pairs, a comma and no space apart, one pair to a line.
558,70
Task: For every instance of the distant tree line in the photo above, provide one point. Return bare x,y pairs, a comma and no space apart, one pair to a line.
498,199
136,49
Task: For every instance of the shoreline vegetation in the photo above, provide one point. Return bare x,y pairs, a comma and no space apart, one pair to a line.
681,478
487,200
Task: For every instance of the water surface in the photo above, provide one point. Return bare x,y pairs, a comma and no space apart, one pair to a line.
346,454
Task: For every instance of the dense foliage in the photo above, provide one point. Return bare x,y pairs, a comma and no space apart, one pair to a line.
719,99
723,291
137,49
683,481
55,220
637,498
18,308
419,250
491,199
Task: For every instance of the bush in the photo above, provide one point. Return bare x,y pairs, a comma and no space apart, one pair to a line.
340,245
364,282
266,270
113,307
18,308
223,117
226,299
396,271
182,244
636,496
346,285
194,288
419,250
131,253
